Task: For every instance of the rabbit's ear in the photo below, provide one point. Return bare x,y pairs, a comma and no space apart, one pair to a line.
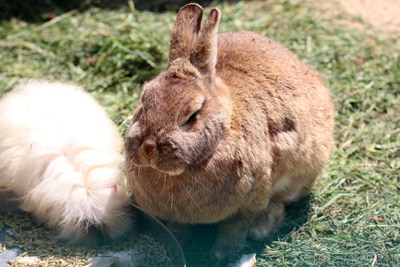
204,55
184,33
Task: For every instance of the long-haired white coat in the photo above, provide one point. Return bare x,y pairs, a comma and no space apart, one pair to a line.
61,154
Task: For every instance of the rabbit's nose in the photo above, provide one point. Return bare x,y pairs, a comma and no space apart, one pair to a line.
149,149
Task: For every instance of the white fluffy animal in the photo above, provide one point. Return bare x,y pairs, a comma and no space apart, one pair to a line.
61,154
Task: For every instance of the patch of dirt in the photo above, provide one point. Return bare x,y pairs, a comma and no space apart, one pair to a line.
382,14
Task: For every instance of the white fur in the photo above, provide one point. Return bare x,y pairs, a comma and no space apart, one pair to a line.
61,154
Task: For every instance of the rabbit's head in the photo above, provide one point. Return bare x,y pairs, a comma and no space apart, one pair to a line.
182,118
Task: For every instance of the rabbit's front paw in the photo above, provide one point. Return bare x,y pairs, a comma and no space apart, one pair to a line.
267,223
228,245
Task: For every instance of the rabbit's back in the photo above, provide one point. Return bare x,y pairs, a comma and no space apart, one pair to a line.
254,66
258,57
277,97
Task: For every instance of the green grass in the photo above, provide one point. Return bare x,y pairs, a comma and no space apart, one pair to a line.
353,215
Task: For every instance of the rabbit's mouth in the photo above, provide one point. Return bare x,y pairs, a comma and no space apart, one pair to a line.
171,168
173,172
163,160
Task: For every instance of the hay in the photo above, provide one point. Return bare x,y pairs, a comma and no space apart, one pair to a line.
41,249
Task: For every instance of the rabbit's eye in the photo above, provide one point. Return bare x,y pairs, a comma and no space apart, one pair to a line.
191,119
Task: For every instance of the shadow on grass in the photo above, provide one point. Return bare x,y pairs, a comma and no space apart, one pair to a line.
39,11
198,250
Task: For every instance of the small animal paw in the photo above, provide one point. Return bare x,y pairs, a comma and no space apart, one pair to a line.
224,247
268,222
259,232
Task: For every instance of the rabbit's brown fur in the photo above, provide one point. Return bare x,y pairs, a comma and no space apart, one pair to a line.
233,129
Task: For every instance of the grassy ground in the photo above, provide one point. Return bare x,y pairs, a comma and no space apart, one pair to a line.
353,215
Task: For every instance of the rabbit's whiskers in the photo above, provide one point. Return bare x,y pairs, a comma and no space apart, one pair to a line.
193,200
198,182
172,194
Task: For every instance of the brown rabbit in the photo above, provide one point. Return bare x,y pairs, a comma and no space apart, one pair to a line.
234,128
